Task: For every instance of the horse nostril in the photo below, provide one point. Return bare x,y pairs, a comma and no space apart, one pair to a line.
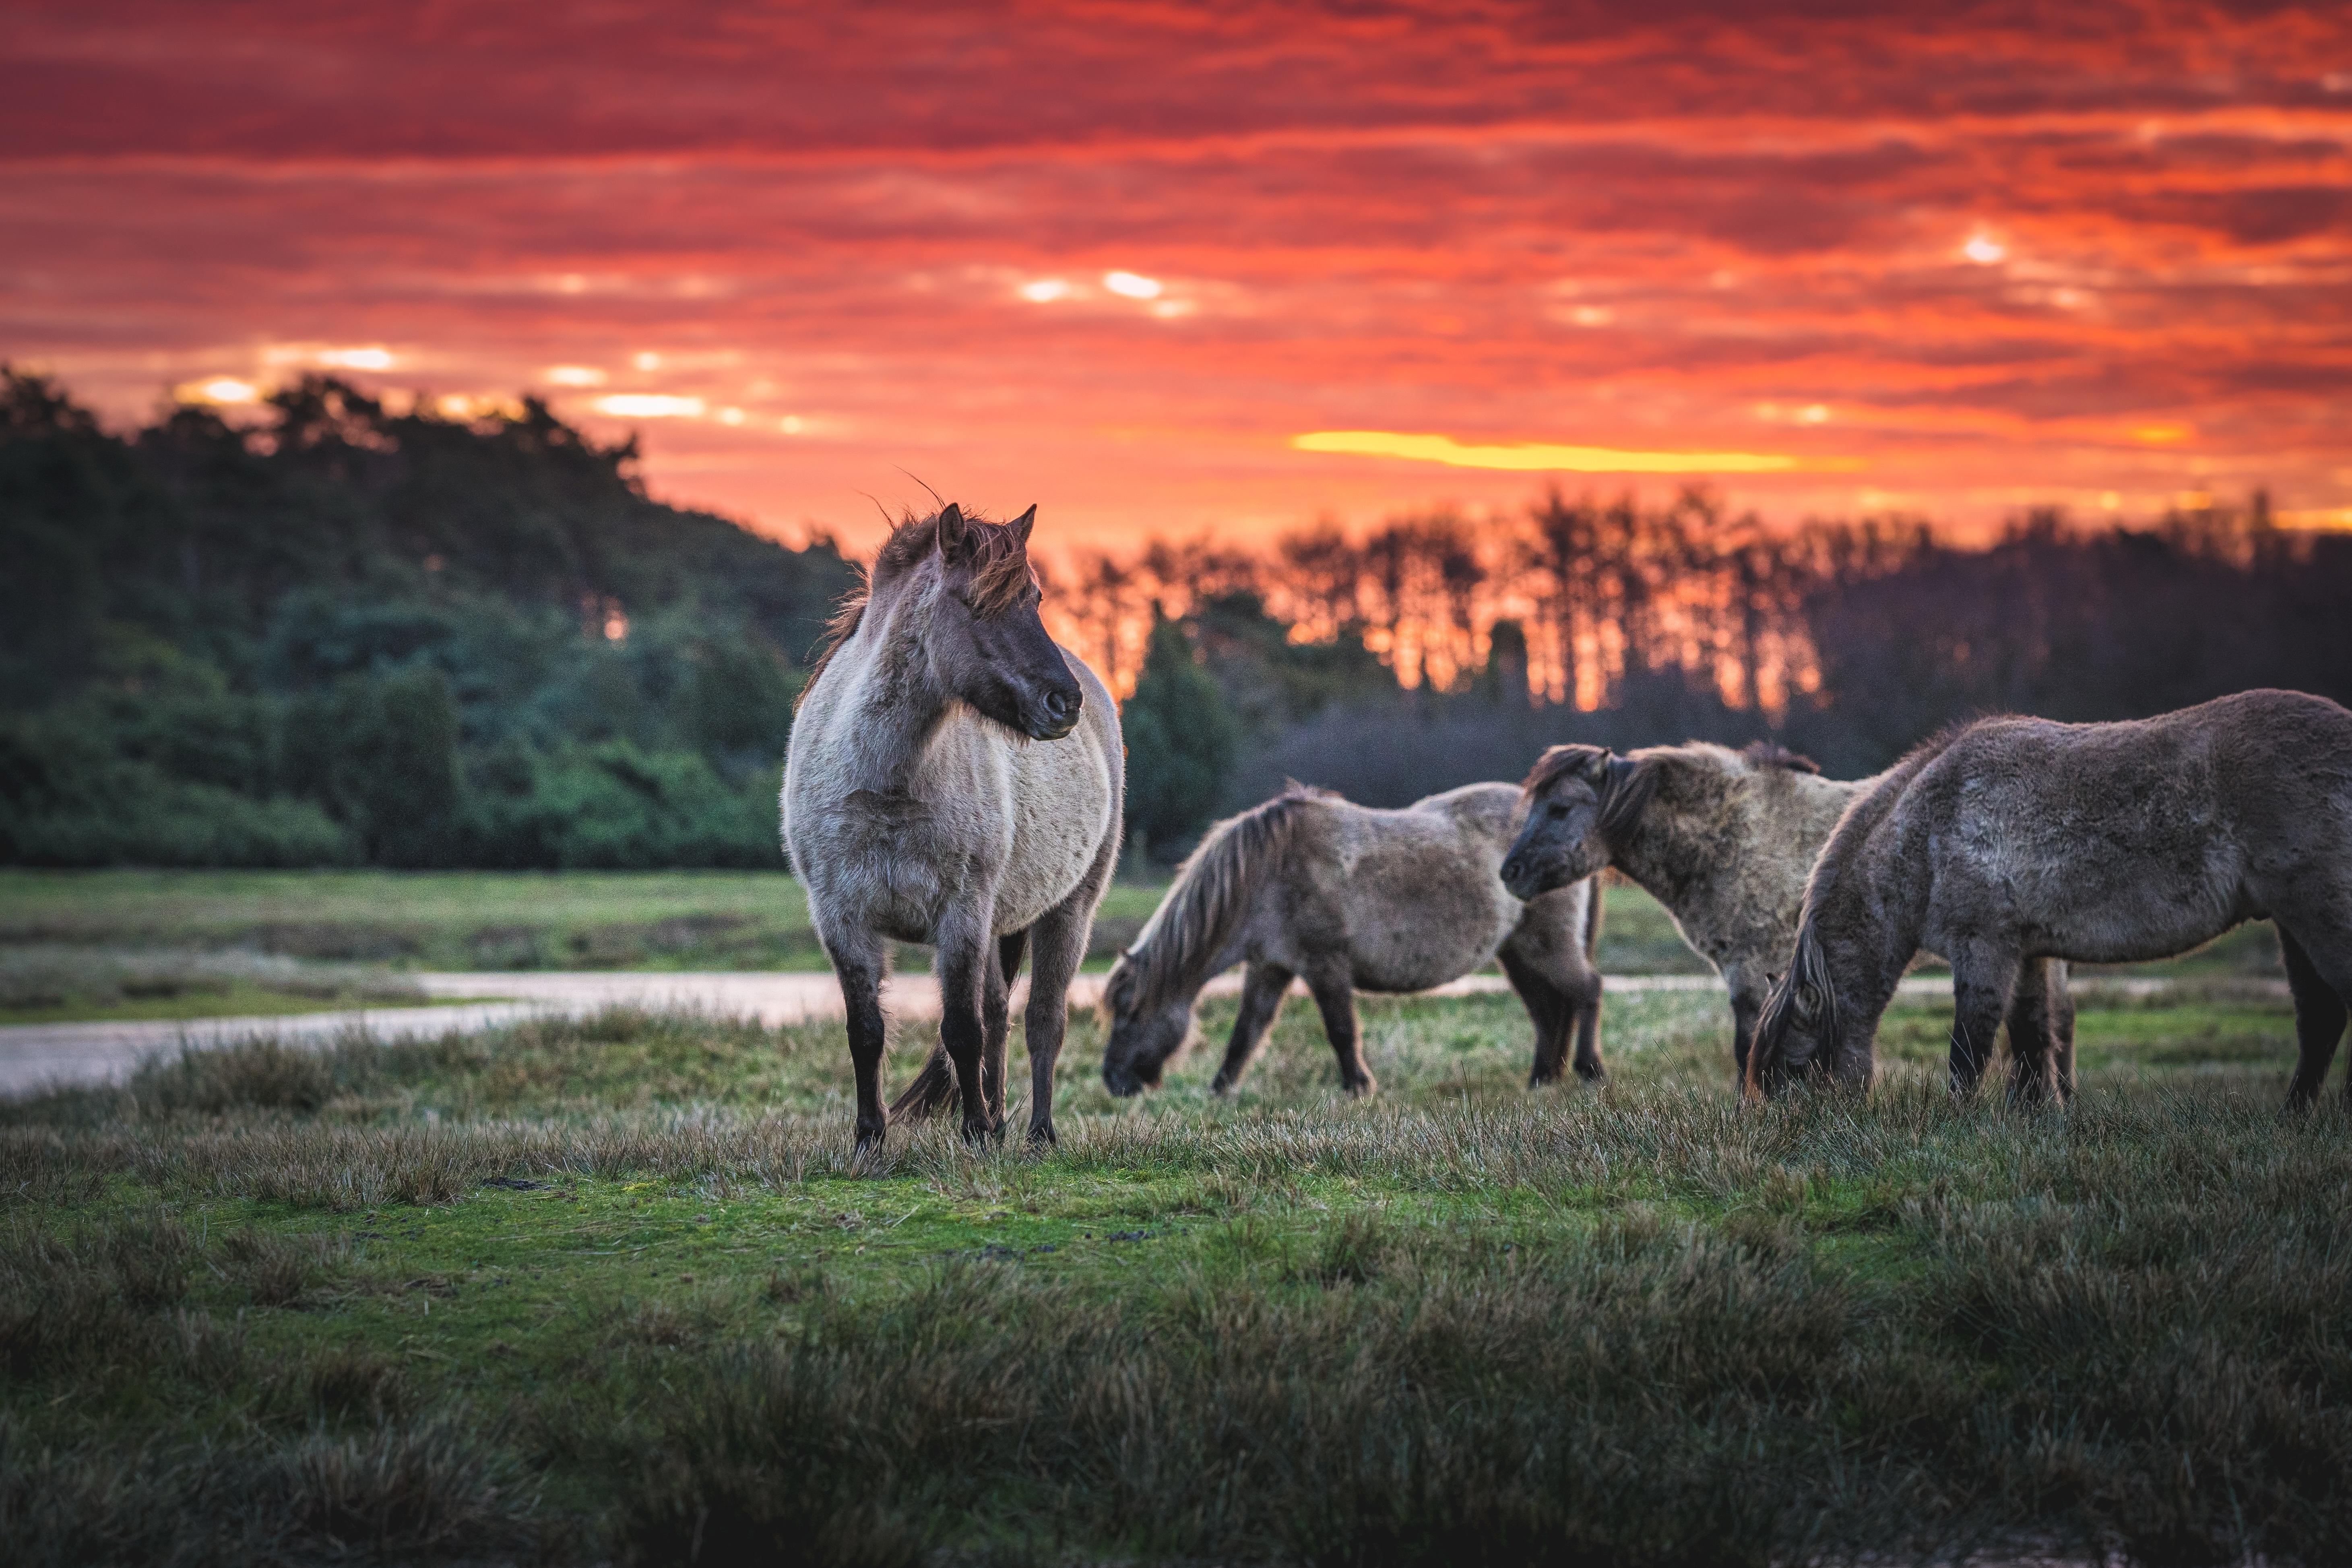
1060,704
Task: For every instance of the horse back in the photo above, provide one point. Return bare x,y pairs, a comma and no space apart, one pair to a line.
1419,891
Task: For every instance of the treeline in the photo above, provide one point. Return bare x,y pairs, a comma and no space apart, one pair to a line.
1436,652
346,635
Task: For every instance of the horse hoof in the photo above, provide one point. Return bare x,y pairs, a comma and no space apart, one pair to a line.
1042,1135
1363,1088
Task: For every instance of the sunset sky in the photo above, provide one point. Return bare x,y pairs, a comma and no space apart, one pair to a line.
1173,268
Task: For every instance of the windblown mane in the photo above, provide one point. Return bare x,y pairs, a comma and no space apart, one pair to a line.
1212,893
1000,573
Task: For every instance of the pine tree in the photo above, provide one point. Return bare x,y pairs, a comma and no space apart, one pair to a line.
1180,743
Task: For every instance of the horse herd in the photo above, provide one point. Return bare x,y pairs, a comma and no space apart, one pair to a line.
955,778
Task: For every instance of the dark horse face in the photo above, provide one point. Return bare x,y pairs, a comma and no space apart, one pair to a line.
986,643
1799,1037
1567,797
1142,1042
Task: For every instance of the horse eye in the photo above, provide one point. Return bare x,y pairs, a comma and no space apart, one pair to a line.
1557,809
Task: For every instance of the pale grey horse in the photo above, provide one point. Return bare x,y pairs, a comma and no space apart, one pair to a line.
1725,840
955,778
2010,839
1352,899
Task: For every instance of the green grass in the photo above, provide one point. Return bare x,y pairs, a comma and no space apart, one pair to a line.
610,1289
646,920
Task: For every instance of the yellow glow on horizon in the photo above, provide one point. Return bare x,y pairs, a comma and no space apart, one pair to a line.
1538,457
218,389
2335,517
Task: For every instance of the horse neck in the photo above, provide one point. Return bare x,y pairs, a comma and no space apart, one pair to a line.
895,701
1204,911
1665,853
1870,938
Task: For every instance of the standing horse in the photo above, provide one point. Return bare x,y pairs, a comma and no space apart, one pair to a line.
2010,839
1352,900
955,778
1725,839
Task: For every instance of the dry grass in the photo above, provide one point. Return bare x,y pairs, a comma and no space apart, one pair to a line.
1460,1322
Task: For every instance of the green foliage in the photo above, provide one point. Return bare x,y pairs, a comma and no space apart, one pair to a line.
1180,740
356,635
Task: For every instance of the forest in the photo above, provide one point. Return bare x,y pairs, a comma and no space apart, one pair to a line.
345,635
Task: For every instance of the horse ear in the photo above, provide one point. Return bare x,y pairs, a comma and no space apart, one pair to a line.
1021,525
1618,771
955,536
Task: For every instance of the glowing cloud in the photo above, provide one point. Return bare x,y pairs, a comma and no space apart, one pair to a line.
650,405
1045,291
356,359
1132,285
1983,249
572,375
1538,458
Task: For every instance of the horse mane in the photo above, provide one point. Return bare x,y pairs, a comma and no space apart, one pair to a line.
1000,573
1211,894
1625,785
1772,754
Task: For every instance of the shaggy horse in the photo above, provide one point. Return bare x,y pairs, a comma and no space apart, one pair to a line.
2011,840
1723,839
1352,899
955,778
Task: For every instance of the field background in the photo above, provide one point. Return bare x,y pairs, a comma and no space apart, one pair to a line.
611,1288
163,944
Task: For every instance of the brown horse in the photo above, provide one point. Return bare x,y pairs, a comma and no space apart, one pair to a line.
955,778
1725,839
2011,840
1352,899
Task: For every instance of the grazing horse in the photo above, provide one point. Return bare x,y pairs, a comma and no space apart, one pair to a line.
954,778
2011,840
1352,899
1725,839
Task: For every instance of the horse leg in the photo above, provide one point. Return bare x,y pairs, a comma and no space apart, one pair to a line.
994,1020
2319,1015
967,957
2058,998
1261,991
2033,1071
1546,1010
1334,998
1983,979
1747,1007
1058,943
859,967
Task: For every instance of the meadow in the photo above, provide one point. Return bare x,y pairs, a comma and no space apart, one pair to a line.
612,1290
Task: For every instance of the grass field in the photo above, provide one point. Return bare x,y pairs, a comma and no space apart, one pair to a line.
613,1291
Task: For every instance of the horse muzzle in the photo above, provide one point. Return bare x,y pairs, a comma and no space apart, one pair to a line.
1052,713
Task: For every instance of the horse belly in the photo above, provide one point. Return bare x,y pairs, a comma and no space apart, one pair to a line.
1410,934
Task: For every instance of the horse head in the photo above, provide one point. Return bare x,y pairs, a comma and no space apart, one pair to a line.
987,645
1146,1033
1801,1033
1578,798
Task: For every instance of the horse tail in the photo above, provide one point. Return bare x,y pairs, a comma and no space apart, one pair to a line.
1212,895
